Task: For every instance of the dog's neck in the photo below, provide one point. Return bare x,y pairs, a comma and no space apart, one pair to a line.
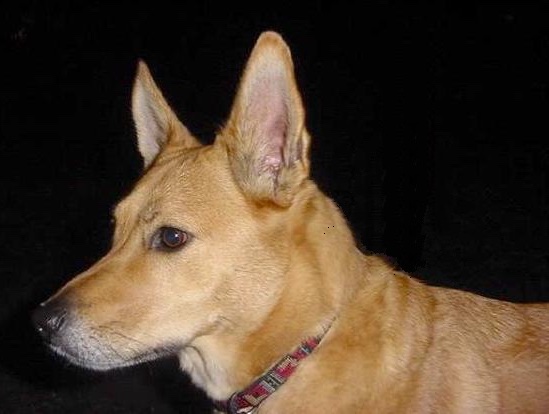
224,364
253,395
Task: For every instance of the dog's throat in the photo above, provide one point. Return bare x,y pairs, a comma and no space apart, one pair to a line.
248,399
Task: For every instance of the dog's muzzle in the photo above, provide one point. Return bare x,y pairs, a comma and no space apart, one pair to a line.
67,334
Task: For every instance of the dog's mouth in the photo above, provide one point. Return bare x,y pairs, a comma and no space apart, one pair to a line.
104,358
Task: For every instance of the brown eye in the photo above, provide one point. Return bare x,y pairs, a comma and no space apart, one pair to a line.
169,239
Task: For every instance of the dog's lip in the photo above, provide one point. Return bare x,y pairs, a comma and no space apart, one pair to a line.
85,363
95,365
64,353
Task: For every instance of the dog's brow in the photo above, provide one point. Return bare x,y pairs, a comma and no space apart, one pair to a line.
148,215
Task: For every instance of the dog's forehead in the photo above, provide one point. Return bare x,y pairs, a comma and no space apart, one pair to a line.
180,183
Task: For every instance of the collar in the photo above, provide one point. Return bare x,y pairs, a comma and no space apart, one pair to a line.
247,400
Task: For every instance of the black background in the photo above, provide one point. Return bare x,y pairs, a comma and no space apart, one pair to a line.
429,124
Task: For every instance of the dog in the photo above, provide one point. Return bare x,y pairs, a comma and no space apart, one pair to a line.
230,257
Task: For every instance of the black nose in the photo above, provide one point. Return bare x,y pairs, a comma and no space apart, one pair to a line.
50,318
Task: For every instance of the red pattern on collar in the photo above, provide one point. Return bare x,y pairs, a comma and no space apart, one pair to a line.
248,399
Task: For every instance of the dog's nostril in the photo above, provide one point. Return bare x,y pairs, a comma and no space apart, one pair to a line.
49,319
56,322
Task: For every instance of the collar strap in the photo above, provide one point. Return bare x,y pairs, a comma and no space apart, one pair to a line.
248,399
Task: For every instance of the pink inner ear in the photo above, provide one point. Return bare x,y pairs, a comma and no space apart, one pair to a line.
268,112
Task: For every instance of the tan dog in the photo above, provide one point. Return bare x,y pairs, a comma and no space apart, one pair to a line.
229,256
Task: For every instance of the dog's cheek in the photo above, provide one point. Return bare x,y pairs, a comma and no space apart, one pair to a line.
247,295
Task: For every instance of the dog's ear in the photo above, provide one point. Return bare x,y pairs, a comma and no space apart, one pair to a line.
156,124
265,135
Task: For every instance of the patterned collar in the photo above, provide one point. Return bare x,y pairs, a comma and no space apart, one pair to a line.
247,400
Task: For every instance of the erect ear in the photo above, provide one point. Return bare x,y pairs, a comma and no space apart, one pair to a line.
156,124
265,135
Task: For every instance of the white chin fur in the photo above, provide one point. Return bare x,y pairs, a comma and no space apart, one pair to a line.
205,373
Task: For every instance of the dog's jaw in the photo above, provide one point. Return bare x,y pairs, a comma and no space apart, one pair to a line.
104,364
84,348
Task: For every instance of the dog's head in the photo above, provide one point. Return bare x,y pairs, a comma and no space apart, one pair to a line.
201,244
